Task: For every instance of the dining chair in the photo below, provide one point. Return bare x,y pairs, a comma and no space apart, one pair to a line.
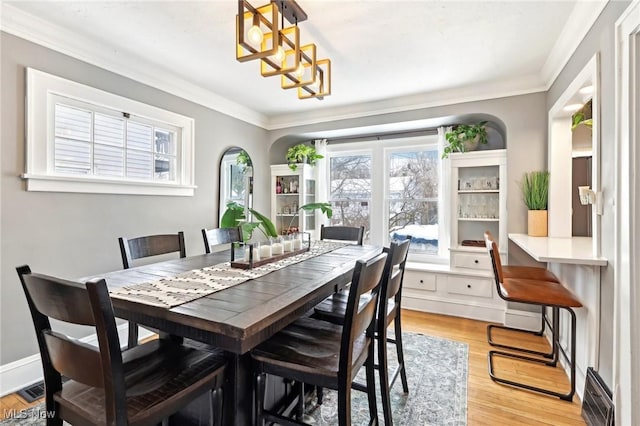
333,309
342,233
150,245
219,236
106,386
319,353
544,294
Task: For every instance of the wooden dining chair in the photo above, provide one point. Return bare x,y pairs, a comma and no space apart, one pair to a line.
342,233
334,308
140,386
545,294
148,246
219,236
320,353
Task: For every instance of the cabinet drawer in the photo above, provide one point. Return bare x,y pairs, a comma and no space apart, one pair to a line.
472,261
478,287
419,280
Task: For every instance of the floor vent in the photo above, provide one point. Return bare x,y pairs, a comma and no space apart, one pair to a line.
597,405
35,391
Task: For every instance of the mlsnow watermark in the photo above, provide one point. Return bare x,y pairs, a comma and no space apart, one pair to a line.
26,413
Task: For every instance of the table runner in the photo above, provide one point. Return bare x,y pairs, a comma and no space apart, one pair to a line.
185,287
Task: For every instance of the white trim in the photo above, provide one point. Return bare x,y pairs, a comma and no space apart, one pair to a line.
44,33
27,371
626,343
29,27
582,18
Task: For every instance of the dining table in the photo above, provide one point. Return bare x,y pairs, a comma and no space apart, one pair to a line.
238,318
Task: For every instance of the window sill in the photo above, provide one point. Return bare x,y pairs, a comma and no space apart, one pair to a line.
103,186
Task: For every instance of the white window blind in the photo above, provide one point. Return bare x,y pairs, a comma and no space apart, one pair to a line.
81,139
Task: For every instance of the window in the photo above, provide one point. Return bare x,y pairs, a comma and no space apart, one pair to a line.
99,142
403,199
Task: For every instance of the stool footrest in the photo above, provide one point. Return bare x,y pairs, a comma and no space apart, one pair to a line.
490,327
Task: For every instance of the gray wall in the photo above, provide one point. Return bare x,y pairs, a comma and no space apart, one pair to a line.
73,235
600,39
524,118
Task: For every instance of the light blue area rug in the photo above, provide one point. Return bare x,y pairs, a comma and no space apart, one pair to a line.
437,371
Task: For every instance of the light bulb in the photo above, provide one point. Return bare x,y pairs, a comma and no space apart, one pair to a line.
300,70
279,56
255,34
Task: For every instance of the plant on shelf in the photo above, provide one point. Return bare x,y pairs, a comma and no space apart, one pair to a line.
243,160
234,216
323,207
535,191
302,153
583,116
465,137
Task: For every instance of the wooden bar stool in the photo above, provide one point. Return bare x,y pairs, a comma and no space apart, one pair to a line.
522,272
544,294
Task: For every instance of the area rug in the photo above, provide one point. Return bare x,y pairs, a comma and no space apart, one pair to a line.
437,371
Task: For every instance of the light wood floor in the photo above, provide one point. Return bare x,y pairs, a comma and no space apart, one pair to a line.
488,403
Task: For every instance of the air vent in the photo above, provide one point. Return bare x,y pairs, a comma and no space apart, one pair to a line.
597,405
35,391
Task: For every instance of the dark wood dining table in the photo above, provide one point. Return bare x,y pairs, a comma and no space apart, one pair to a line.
238,318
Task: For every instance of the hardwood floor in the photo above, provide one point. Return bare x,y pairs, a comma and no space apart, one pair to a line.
488,403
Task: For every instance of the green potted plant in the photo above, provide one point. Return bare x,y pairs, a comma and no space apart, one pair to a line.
243,160
234,216
302,153
535,191
465,137
323,207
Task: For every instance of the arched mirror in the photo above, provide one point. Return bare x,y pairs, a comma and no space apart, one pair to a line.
236,179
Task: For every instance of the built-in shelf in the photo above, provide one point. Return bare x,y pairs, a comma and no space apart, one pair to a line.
573,250
479,219
478,191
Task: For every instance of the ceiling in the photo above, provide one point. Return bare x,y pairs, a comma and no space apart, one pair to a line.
384,54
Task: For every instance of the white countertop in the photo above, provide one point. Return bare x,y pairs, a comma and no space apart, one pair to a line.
574,250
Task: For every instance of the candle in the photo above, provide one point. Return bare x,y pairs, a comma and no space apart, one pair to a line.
276,248
256,254
265,251
287,245
296,243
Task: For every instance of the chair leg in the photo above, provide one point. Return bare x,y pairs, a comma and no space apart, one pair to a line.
133,335
344,403
300,403
540,332
383,372
216,396
398,339
371,386
320,394
557,348
259,401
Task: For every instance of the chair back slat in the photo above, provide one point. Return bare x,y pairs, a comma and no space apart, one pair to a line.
74,359
360,313
219,236
66,302
394,269
150,245
494,254
342,233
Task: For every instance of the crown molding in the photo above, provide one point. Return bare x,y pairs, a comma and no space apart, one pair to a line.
582,18
31,28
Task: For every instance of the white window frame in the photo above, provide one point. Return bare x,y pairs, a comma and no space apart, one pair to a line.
40,175
379,214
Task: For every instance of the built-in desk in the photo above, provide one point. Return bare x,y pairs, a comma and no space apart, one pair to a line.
572,259
574,250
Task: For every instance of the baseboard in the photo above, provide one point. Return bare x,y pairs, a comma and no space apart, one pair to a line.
27,371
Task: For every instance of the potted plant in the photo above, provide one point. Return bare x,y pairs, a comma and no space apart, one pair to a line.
535,190
234,216
302,153
323,207
243,160
465,137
